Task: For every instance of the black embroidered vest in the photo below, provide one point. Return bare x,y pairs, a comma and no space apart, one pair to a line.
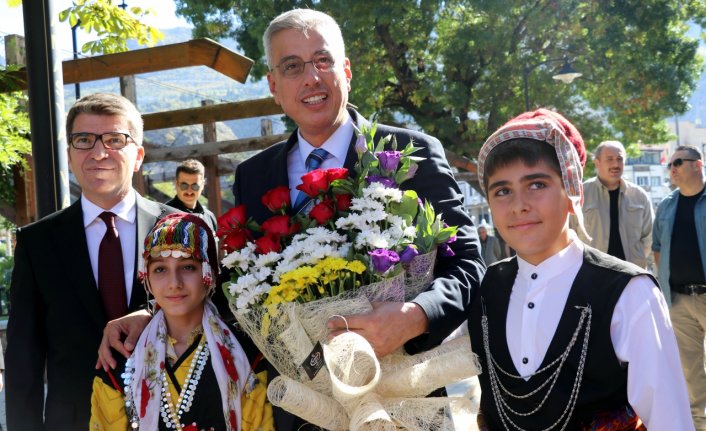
598,284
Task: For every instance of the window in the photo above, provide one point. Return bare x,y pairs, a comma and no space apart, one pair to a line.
643,181
645,158
655,181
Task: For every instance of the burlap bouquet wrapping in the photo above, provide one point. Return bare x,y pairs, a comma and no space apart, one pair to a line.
353,390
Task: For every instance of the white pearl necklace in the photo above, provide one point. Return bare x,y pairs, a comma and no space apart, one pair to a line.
171,413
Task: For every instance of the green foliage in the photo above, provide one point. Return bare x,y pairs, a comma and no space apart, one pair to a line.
113,25
14,140
456,67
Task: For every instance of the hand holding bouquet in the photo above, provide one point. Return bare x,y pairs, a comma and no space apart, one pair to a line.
291,273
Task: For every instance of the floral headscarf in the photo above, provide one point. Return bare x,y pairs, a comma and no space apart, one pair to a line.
550,127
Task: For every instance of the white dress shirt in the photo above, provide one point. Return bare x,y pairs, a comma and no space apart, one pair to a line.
641,333
126,212
337,145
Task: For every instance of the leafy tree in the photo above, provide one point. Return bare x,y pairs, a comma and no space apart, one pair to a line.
455,68
14,141
112,24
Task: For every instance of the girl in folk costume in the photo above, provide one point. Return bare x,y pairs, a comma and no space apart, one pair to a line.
569,338
188,371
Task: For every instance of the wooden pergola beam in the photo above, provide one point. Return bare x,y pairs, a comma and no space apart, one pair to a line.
211,113
212,148
197,52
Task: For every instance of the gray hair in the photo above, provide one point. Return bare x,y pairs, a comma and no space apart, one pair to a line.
692,150
110,105
305,20
608,144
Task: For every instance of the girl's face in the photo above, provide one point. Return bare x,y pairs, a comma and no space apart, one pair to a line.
178,287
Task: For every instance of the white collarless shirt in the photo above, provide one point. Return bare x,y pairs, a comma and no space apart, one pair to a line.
641,333
125,222
337,146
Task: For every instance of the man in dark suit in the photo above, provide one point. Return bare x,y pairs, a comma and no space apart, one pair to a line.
59,306
310,78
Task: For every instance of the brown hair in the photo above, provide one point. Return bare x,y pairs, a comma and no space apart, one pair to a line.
110,105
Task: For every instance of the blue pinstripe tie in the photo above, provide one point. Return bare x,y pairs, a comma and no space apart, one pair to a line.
313,161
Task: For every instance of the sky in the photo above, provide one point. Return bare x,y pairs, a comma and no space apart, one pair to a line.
12,21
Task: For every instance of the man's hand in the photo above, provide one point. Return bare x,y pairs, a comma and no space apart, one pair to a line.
387,327
132,326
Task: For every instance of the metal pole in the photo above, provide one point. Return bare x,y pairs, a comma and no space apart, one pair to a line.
46,108
77,86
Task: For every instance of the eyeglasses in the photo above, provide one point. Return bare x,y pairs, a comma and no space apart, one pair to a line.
185,186
111,141
678,162
293,67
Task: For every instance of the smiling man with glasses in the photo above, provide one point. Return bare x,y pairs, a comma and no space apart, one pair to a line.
189,184
679,245
75,270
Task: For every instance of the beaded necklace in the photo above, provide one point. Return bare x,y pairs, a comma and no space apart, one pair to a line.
501,394
170,412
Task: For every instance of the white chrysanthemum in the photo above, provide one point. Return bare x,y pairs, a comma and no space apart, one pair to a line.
371,239
262,273
366,204
382,193
245,283
267,259
251,297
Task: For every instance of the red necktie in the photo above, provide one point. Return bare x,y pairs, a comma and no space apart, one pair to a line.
111,276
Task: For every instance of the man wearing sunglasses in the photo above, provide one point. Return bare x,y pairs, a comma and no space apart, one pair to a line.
679,245
189,184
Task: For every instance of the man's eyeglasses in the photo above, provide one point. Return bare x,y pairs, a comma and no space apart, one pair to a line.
678,162
185,186
293,67
111,141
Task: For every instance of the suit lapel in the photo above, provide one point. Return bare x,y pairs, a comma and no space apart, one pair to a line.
148,213
70,234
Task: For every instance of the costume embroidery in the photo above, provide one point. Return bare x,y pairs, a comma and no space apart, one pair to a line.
501,393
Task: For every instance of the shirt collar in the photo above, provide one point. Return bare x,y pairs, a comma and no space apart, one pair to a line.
565,259
125,209
337,144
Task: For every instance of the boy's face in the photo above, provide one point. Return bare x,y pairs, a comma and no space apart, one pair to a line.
530,209
177,286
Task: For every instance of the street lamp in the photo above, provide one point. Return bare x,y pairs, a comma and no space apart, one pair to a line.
566,75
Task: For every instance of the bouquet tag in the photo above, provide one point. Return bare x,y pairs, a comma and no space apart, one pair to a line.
314,362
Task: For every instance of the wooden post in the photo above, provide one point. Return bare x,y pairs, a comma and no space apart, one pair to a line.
129,91
25,208
213,179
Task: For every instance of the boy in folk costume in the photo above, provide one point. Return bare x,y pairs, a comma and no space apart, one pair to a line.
568,337
188,371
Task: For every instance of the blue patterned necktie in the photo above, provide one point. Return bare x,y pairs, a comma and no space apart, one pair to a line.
313,161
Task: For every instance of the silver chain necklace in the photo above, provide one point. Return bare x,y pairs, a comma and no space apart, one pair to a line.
500,392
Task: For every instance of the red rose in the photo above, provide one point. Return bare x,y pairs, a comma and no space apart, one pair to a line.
235,240
277,225
314,183
144,398
228,362
233,218
268,243
333,174
322,212
343,201
277,199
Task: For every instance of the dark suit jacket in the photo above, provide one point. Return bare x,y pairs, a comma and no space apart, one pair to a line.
57,320
449,296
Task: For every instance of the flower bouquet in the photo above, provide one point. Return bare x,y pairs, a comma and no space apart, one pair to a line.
363,240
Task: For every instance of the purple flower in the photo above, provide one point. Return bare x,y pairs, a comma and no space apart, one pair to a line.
360,145
387,182
452,238
389,160
445,250
409,253
383,259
